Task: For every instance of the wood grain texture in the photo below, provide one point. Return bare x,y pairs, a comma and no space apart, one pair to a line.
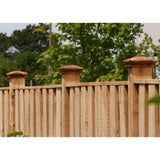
1,115
77,112
58,112
38,113
50,112
122,110
32,120
6,113
27,114
44,113
152,113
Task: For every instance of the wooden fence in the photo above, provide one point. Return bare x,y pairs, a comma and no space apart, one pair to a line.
91,109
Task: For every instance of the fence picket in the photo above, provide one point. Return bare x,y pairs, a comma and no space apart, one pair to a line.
77,112
1,114
32,113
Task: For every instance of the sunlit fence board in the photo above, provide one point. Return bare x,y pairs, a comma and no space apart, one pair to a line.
93,110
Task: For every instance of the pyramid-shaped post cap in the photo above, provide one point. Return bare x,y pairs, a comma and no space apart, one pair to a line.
71,69
17,74
139,62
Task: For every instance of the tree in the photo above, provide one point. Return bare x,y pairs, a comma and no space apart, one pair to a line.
27,62
5,43
28,40
99,48
6,66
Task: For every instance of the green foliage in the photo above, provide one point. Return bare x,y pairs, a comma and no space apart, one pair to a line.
27,62
6,65
28,40
5,43
29,45
99,48
154,100
15,134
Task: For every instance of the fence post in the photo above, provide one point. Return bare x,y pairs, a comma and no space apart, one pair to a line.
138,68
17,79
70,74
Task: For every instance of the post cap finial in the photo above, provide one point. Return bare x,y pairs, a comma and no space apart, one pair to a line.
71,69
17,74
139,61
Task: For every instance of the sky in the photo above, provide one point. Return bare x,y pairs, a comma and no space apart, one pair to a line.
153,29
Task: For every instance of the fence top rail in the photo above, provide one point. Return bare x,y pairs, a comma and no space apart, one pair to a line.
147,81
118,83
4,88
40,87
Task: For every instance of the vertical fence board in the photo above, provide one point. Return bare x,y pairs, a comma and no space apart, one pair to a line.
71,94
122,111
1,114
21,111
104,111
32,113
99,110
142,110
58,113
152,113
17,111
83,105
86,111
113,112
44,113
11,110
77,112
6,113
96,111
50,112
26,111
38,113
90,104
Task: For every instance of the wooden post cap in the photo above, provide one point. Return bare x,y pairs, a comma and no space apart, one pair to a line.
71,69
139,62
17,74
